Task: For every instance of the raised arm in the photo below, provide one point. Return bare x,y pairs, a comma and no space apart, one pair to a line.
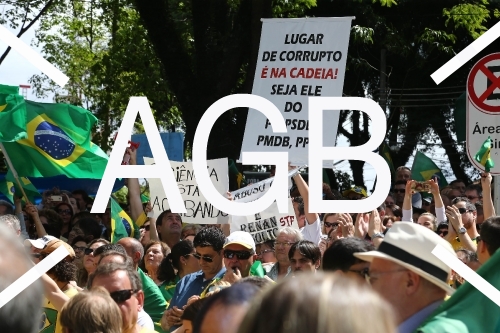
438,201
33,212
134,189
407,208
304,193
488,208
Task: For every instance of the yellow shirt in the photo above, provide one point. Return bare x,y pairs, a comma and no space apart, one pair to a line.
146,330
50,321
457,245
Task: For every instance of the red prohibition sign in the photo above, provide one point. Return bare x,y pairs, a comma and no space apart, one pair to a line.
479,101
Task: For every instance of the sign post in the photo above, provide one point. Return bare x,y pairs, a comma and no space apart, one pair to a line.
483,114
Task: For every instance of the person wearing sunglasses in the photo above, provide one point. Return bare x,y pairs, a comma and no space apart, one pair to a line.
442,229
339,257
125,288
239,256
89,262
208,244
462,232
66,212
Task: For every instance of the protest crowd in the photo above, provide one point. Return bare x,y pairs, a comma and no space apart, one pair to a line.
334,273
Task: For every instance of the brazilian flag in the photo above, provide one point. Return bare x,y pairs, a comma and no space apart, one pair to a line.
483,156
28,187
12,114
57,143
121,224
424,168
7,189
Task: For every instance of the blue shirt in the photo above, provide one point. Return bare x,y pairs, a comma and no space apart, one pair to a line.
412,323
190,285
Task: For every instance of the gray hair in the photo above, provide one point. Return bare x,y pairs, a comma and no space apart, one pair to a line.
11,220
28,304
108,269
295,233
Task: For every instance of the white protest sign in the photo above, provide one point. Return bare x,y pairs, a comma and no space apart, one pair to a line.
483,109
199,209
265,225
298,58
256,190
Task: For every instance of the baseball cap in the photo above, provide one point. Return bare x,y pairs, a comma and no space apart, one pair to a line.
241,238
39,243
355,189
54,245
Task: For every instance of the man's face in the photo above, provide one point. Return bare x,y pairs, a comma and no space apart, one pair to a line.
389,280
81,202
469,217
389,201
442,232
403,174
459,186
301,263
211,266
282,246
171,223
454,194
130,308
242,264
75,231
399,192
426,221
472,195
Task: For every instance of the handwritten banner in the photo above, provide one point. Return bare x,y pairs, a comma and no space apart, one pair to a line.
199,209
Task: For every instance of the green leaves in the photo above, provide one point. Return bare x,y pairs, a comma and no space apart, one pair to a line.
469,16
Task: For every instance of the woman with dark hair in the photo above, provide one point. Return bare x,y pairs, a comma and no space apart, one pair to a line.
89,264
180,260
66,212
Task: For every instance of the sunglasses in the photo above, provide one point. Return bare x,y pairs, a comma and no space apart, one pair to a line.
331,224
399,190
389,204
88,251
64,211
121,296
146,227
241,255
443,232
266,251
463,210
205,258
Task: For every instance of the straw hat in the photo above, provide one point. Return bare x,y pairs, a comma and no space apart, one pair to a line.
410,245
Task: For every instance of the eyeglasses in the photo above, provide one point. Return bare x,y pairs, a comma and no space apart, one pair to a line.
205,258
373,277
241,255
88,251
64,211
331,224
365,272
146,227
399,190
121,296
266,251
79,248
284,244
463,210
442,232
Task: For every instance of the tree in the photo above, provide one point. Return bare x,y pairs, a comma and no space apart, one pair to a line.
104,50
22,15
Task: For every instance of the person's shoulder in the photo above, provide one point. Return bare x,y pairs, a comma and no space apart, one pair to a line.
190,277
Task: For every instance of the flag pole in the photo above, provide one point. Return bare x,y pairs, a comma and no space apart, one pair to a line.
14,172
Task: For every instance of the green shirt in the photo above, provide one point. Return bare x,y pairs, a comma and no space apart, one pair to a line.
154,302
168,288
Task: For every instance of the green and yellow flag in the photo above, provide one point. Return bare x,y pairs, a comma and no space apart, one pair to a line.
424,168
468,310
12,114
7,189
28,187
483,156
121,224
57,143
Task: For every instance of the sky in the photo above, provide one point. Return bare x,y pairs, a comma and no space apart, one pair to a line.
15,70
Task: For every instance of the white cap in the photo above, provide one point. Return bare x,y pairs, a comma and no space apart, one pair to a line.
241,238
39,243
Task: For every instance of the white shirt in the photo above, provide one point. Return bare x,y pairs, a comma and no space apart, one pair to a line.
144,320
312,232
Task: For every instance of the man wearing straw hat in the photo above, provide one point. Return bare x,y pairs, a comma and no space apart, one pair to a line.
404,271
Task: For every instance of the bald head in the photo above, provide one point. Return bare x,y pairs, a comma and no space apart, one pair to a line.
134,249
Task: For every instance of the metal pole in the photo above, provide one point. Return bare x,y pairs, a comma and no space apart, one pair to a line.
496,197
